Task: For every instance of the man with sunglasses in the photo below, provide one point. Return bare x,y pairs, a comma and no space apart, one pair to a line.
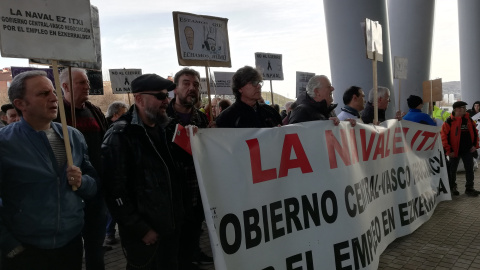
181,110
246,111
141,187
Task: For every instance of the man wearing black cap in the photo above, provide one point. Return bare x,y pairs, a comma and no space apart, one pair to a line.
460,140
11,115
141,189
415,114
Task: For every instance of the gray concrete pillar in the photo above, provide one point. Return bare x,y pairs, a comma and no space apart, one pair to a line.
411,34
469,35
346,43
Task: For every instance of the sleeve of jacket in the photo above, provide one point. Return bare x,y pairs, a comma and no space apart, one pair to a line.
445,137
116,156
89,186
298,115
7,241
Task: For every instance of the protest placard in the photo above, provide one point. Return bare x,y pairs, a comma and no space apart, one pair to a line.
270,65
121,79
201,40
302,81
314,195
28,27
223,83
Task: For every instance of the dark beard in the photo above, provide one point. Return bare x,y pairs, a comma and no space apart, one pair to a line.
158,117
187,104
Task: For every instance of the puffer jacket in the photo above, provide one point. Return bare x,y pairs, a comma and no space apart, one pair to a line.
310,110
451,133
139,190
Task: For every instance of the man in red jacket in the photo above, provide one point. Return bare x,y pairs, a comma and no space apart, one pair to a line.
460,140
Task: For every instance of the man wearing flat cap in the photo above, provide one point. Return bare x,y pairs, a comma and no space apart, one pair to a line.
460,140
141,189
415,114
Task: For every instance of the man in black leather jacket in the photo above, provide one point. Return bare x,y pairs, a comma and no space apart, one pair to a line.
141,189
316,103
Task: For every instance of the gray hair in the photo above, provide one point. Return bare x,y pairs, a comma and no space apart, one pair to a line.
382,91
115,107
313,84
17,87
288,104
64,75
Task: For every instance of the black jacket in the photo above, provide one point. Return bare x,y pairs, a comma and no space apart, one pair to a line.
310,110
139,189
241,115
368,114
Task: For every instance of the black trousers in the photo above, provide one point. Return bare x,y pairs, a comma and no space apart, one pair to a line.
68,257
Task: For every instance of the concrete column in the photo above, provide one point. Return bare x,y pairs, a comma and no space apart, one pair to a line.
469,35
346,43
411,35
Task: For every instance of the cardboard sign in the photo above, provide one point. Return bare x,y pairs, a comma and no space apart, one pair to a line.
98,49
201,40
270,65
435,87
47,29
302,81
400,68
95,77
373,37
223,83
122,78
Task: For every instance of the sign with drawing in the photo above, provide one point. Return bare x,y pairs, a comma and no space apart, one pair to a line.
121,79
201,40
270,65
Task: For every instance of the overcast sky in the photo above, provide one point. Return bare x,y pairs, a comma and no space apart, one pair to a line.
139,34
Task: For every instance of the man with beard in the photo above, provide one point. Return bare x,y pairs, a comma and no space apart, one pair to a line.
141,188
181,110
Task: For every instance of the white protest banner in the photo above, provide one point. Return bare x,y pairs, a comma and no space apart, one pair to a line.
121,79
201,40
270,64
316,196
47,29
302,81
373,37
223,83
400,68
97,65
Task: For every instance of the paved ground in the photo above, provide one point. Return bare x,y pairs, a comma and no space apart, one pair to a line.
449,240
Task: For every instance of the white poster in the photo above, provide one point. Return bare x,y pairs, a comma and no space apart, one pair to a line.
201,40
121,79
400,68
316,196
302,81
270,64
47,29
223,83
374,40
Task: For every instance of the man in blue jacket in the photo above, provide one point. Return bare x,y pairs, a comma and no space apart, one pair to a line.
42,216
415,114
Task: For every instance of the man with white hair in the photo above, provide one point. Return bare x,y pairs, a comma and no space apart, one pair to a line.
383,97
316,103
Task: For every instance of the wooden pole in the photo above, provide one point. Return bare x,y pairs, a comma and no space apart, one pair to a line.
66,138
399,93
375,90
271,92
431,96
129,102
208,94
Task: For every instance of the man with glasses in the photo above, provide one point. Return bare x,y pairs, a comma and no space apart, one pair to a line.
246,111
182,111
316,103
460,140
141,187
383,97
91,122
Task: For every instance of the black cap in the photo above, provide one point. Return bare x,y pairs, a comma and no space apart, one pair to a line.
151,82
6,107
459,104
413,101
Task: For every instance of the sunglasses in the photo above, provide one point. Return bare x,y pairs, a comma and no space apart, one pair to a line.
159,96
257,83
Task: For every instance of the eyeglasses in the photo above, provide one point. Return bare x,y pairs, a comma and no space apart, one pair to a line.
159,96
257,83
